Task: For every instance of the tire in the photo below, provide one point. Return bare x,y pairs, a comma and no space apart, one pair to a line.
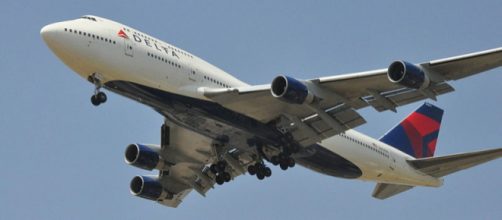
267,172
274,160
95,100
283,165
219,180
101,97
227,177
213,169
252,170
260,176
291,162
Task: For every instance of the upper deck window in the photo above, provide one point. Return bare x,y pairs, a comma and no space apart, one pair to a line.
89,18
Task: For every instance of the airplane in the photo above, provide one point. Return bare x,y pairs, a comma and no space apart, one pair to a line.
217,127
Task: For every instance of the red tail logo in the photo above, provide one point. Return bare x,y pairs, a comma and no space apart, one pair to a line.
418,133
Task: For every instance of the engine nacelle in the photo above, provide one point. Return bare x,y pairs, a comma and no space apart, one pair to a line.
147,187
290,90
142,156
407,74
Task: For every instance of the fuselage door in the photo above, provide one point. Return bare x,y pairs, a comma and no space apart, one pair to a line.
129,48
192,75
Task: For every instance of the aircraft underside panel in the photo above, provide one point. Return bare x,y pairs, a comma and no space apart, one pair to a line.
213,120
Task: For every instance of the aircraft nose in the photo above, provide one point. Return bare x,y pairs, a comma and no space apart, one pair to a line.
48,33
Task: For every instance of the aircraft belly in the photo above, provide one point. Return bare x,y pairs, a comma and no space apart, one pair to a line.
213,120
204,117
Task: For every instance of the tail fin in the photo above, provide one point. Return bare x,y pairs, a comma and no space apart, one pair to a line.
417,134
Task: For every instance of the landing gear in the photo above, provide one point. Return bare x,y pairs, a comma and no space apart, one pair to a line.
260,170
98,97
218,169
283,160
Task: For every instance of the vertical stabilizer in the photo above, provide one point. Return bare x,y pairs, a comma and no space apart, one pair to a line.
417,134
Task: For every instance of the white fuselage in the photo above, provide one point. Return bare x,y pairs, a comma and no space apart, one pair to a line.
115,52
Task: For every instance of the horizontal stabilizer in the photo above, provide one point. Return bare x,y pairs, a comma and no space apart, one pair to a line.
384,190
442,166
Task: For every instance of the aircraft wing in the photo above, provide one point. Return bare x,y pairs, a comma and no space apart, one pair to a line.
187,155
341,95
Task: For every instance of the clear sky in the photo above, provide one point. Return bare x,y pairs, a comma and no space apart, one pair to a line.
62,158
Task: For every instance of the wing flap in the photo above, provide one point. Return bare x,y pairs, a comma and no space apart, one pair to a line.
384,190
442,166
405,96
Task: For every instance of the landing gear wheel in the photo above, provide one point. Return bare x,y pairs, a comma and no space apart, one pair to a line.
227,177
101,97
267,172
274,160
284,165
291,162
220,180
95,101
213,169
252,169
260,175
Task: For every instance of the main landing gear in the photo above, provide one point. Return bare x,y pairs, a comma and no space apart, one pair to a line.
218,169
98,97
260,170
283,160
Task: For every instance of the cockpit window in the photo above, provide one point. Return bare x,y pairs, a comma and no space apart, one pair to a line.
89,18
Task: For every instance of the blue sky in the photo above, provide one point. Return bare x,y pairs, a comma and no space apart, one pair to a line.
62,158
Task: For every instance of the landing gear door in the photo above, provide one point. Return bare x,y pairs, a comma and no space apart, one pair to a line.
129,49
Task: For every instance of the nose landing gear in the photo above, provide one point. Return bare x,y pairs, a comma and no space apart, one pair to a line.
98,97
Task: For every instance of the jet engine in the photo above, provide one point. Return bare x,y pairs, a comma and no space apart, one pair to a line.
147,187
408,75
142,156
290,90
